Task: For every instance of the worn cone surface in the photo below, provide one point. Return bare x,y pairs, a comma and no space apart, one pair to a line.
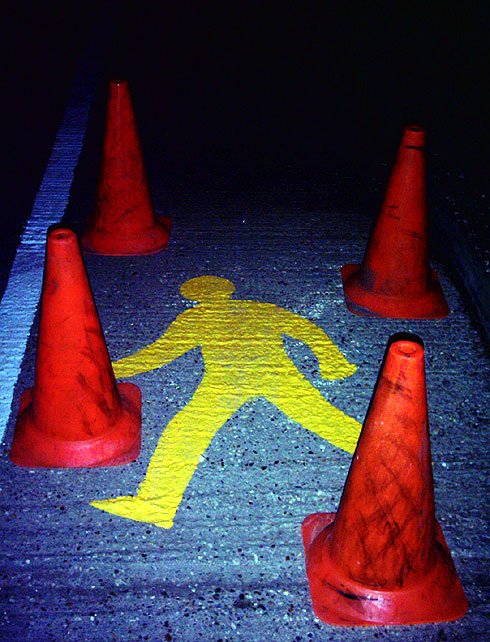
382,558
124,222
75,415
395,279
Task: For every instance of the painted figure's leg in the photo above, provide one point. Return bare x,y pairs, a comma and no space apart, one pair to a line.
175,459
303,403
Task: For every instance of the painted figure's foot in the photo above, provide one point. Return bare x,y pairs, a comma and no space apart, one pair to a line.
140,510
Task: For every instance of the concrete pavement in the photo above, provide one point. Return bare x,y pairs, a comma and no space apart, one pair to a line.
232,565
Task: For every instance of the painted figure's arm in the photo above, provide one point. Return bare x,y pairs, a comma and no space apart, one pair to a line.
177,340
333,364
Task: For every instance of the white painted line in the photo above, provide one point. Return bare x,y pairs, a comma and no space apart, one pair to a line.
23,290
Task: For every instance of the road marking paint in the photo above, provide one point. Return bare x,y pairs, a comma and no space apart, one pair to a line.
244,357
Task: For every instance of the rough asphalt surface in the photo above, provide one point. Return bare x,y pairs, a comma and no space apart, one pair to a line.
232,566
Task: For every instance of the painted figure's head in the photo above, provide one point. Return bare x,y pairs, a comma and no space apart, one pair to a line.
207,288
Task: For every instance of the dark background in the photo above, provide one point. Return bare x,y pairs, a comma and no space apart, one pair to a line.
308,83
249,98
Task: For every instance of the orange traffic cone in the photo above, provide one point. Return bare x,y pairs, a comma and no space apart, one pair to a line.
395,279
124,222
382,558
75,415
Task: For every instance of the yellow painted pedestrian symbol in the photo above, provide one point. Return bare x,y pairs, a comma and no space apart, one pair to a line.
244,358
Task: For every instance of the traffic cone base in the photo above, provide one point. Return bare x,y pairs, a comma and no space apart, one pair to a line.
341,601
117,241
34,448
369,303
